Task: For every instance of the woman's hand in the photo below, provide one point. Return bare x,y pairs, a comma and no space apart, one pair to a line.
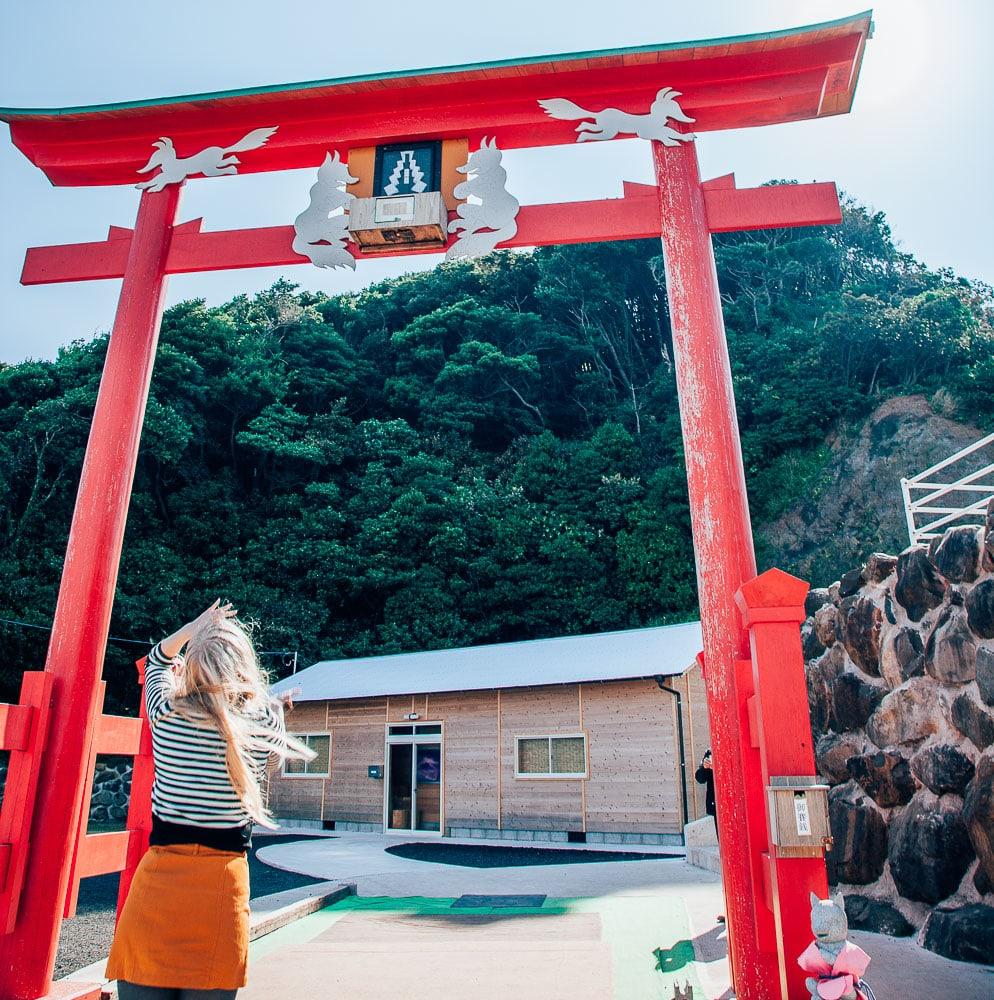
216,612
286,697
173,645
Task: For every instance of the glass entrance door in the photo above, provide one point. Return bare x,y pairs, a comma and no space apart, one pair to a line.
428,787
399,789
414,778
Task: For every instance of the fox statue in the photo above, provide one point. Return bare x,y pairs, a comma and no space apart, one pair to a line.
835,964
215,161
611,122
482,226
321,236
687,993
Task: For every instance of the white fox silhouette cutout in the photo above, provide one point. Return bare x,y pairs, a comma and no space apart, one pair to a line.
215,161
611,122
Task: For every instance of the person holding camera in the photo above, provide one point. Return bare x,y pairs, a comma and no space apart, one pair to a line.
705,776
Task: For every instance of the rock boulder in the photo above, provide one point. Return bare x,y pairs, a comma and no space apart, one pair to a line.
853,702
859,838
910,714
850,583
902,655
974,722
956,554
878,567
980,609
884,776
919,586
942,768
978,814
875,915
832,753
951,651
985,673
860,621
929,849
965,934
825,622
811,646
817,598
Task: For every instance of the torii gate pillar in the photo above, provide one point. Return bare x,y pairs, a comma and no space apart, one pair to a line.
719,512
86,597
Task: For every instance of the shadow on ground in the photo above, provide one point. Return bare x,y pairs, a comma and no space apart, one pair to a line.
482,856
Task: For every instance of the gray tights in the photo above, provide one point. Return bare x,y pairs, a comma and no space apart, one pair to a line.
132,991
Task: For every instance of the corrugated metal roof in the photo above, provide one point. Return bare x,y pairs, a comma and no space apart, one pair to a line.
607,656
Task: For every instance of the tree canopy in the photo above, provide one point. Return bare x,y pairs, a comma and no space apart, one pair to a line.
485,452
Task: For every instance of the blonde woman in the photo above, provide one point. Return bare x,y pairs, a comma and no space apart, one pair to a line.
183,933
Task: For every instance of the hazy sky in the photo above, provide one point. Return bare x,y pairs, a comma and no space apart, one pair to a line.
918,144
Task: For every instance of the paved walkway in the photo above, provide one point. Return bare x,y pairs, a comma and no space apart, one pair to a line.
626,930
603,931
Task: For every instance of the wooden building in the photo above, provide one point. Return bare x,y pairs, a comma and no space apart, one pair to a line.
573,738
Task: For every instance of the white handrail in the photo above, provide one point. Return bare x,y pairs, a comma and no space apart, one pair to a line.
970,511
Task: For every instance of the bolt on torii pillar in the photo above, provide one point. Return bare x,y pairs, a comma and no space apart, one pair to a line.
753,80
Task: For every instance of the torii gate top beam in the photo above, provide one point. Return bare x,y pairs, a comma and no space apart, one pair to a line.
748,80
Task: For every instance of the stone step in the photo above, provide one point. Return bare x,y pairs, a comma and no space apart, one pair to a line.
704,856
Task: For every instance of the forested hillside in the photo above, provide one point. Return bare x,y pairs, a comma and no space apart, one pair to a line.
488,451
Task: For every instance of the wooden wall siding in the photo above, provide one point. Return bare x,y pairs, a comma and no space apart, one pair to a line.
295,798
633,783
308,717
351,794
539,803
470,748
357,711
400,705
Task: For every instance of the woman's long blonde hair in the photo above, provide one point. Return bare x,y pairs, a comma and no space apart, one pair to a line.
220,683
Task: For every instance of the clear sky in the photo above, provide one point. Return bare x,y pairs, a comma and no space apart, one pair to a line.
918,145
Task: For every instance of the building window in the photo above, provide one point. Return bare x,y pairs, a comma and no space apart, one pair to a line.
320,767
551,756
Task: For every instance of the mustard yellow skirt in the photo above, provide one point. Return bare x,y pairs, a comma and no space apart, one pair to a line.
185,924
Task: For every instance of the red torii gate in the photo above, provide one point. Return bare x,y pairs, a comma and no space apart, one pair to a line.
759,731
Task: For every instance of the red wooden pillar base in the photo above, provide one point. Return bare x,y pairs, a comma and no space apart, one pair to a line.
719,512
773,608
86,595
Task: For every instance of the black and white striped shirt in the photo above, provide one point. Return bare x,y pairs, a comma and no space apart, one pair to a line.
191,786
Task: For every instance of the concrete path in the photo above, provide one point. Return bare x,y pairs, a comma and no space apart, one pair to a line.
631,916
607,931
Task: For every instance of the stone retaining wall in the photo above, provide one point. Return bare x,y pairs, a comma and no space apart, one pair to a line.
111,790
900,670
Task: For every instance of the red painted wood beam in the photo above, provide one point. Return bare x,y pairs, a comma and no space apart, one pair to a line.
511,113
772,609
118,734
15,726
102,853
775,207
635,216
726,83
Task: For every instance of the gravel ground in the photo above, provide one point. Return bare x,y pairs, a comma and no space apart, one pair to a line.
482,856
87,937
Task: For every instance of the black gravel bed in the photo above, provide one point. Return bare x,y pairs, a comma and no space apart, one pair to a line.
86,937
483,856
